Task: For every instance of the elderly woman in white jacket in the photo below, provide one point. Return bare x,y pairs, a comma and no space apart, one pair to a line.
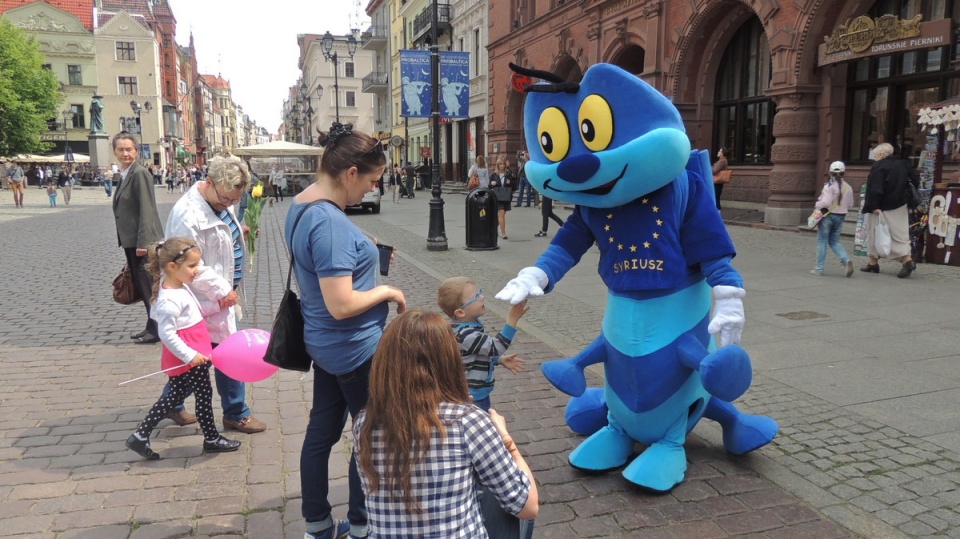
205,213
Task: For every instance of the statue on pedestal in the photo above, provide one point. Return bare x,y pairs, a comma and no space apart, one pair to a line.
96,115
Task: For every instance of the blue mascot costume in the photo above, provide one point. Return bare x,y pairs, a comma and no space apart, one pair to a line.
615,147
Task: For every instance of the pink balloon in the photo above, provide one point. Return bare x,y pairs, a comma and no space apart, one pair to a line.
240,356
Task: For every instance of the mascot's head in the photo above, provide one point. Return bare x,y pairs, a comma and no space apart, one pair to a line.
604,142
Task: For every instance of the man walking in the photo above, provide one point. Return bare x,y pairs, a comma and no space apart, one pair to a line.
15,179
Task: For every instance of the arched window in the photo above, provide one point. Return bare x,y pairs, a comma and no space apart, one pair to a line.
884,93
743,116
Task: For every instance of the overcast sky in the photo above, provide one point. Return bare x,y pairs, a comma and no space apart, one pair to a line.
253,44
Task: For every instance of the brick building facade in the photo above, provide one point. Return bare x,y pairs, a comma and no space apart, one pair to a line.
745,75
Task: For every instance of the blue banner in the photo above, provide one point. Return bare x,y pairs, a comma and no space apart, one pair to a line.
454,84
415,83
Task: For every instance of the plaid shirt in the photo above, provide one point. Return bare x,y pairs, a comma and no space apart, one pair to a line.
446,482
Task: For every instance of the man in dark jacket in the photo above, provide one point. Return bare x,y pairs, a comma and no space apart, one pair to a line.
138,223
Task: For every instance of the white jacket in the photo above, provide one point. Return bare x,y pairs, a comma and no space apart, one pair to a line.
192,217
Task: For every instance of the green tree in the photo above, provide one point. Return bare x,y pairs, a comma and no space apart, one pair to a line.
29,94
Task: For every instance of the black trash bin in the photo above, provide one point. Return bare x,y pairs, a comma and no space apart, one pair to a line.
481,220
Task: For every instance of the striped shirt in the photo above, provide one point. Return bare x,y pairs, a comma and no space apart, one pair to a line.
481,352
446,481
237,245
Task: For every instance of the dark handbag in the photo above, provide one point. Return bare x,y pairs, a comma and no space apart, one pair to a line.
287,348
124,289
913,196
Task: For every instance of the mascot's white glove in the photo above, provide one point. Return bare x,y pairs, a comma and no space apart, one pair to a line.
727,314
529,282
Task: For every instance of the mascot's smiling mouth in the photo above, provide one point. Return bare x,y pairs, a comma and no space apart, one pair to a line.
602,190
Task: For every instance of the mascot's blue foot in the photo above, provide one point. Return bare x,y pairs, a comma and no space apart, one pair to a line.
607,449
741,432
748,432
660,468
587,413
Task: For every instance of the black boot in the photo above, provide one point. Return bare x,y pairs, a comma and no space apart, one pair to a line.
141,447
221,445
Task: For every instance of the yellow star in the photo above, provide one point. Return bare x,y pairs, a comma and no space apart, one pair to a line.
611,239
646,244
609,216
655,209
633,248
659,222
656,235
607,228
619,246
646,200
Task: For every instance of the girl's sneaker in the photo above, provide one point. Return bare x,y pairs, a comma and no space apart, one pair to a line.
339,530
221,445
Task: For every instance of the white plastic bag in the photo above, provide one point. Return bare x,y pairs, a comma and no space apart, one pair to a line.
881,236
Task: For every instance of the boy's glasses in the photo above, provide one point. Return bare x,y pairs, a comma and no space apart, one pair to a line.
475,298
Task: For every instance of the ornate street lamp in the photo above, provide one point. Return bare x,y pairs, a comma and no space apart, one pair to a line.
331,55
67,151
436,235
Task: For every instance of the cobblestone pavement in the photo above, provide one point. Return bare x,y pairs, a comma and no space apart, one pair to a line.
837,469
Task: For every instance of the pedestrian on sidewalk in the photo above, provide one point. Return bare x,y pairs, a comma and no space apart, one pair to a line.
52,192
15,178
463,301
65,184
395,182
480,169
279,183
719,166
502,183
831,208
525,187
887,193
205,214
411,174
419,405
344,312
174,264
546,210
137,220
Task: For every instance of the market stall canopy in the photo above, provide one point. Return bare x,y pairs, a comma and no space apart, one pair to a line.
278,148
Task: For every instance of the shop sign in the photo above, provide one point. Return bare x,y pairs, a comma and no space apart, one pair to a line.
863,37
52,137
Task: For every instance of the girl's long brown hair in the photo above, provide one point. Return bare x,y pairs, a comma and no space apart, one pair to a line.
416,367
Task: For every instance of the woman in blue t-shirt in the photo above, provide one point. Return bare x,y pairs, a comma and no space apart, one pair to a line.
344,312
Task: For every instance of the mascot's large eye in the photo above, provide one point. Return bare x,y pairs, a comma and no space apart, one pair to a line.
596,123
554,134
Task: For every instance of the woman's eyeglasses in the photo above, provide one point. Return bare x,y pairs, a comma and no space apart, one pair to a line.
475,298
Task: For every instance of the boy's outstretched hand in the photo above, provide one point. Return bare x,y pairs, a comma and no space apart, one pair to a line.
512,363
516,312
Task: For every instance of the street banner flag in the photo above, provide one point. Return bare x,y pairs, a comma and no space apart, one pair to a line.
415,83
454,84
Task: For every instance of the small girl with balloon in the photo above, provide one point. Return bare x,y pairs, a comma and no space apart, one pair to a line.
187,350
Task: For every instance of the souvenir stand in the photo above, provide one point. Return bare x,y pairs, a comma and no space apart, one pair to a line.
941,198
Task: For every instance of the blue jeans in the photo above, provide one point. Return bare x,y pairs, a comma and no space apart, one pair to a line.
232,396
525,187
108,187
333,397
828,233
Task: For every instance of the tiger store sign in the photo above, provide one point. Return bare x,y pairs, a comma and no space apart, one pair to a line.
863,37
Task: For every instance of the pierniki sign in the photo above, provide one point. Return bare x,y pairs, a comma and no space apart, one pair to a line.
863,37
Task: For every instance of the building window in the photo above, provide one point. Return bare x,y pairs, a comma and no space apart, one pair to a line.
74,75
78,122
884,93
476,52
351,100
743,116
48,67
128,85
348,68
126,51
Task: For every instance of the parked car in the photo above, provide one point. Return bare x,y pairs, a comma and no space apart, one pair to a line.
370,200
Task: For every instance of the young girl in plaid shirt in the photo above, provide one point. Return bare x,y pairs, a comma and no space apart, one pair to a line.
424,451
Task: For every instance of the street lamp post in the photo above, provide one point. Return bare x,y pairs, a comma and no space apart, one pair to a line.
331,55
138,110
436,236
67,151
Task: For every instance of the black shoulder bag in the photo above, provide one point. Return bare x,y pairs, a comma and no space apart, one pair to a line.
287,348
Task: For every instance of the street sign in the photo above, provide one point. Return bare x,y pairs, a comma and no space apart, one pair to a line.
520,82
425,152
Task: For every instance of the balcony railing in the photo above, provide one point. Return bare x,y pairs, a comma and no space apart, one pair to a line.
374,37
375,81
421,24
